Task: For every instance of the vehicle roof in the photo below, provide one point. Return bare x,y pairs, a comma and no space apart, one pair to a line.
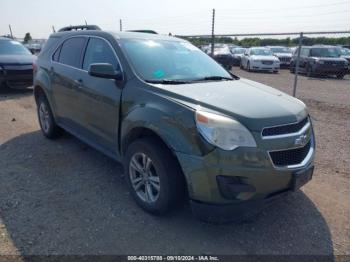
5,38
118,35
258,47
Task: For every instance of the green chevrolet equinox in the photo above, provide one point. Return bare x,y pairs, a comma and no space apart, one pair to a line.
183,127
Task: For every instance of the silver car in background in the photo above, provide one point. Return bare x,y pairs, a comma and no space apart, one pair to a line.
260,59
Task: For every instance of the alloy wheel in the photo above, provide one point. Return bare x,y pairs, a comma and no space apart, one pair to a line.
44,117
144,178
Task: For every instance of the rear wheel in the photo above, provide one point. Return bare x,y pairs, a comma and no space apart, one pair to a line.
248,67
46,119
340,76
154,176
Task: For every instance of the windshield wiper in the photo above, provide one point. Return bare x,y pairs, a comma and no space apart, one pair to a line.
208,78
166,81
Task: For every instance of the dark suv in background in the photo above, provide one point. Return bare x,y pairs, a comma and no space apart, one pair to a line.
320,60
16,64
181,124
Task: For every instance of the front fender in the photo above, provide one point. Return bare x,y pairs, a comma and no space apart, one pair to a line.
176,127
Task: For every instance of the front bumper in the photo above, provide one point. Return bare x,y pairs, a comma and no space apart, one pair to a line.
260,66
16,76
257,178
329,69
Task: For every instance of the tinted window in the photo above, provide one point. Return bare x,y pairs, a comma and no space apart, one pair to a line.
71,51
99,51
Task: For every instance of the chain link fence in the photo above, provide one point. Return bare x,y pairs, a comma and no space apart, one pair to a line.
293,59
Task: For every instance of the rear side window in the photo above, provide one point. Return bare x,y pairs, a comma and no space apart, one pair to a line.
71,51
99,51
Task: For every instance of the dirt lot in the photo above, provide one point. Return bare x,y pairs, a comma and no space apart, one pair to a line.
62,197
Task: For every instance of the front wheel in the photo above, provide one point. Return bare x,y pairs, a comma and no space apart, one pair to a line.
248,67
154,176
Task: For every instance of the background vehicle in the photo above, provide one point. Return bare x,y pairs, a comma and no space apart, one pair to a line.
16,64
177,120
224,57
260,59
320,60
237,53
284,54
344,52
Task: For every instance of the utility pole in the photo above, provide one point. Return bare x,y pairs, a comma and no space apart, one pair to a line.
120,25
85,22
11,31
212,33
297,64
53,29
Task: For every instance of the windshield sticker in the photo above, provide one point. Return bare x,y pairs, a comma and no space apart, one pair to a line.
159,73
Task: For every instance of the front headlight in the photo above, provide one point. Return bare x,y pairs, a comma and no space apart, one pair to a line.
223,132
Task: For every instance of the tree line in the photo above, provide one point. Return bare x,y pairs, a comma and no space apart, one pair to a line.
256,41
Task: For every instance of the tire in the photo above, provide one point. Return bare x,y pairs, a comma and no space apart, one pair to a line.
161,186
275,72
292,69
340,76
46,119
309,71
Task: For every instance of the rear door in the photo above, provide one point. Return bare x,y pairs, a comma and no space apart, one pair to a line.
66,72
100,97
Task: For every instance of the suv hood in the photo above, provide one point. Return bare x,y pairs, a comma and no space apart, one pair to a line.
337,59
253,104
16,59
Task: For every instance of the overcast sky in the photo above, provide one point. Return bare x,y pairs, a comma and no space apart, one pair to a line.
175,16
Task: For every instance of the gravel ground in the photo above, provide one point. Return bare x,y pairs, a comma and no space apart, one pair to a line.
62,197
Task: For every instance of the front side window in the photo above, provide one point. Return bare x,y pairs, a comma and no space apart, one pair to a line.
10,47
71,51
170,60
99,51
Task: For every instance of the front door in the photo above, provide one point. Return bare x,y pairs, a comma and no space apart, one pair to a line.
100,97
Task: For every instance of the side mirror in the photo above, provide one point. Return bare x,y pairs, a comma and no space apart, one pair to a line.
104,70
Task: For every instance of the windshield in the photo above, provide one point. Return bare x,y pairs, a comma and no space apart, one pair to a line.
261,52
345,52
283,50
325,52
9,47
238,51
170,60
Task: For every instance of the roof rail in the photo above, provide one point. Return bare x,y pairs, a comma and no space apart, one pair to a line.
79,27
144,31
